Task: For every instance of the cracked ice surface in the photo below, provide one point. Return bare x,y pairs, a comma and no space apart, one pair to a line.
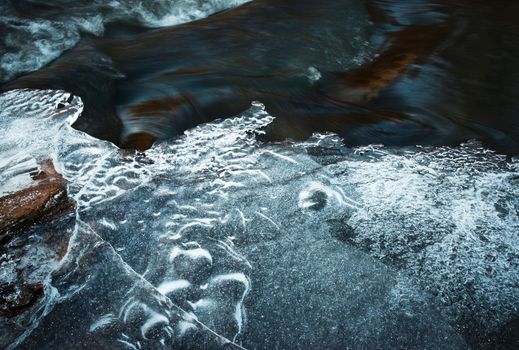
216,239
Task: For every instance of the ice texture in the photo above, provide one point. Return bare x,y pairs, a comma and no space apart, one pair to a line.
216,239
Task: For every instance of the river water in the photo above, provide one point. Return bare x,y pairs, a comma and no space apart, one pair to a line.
339,175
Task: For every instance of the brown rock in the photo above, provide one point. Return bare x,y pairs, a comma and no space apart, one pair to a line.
42,201
16,299
411,45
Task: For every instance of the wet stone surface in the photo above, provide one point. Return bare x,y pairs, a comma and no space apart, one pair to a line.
44,199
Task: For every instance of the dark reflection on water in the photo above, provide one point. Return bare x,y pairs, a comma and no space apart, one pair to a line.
392,72
469,86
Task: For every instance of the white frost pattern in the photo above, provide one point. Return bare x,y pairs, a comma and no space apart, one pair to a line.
182,227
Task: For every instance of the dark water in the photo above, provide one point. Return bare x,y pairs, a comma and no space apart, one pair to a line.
421,72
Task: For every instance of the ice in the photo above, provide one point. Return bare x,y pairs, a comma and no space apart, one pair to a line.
29,122
216,238
171,286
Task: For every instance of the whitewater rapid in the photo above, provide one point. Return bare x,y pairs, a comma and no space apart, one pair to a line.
36,32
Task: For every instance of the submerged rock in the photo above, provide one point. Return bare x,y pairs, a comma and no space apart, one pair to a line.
26,262
16,299
44,200
28,253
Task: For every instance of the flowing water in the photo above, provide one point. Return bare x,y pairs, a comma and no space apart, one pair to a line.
289,197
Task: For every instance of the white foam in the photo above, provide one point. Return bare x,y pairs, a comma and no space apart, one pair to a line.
33,43
313,74
180,11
